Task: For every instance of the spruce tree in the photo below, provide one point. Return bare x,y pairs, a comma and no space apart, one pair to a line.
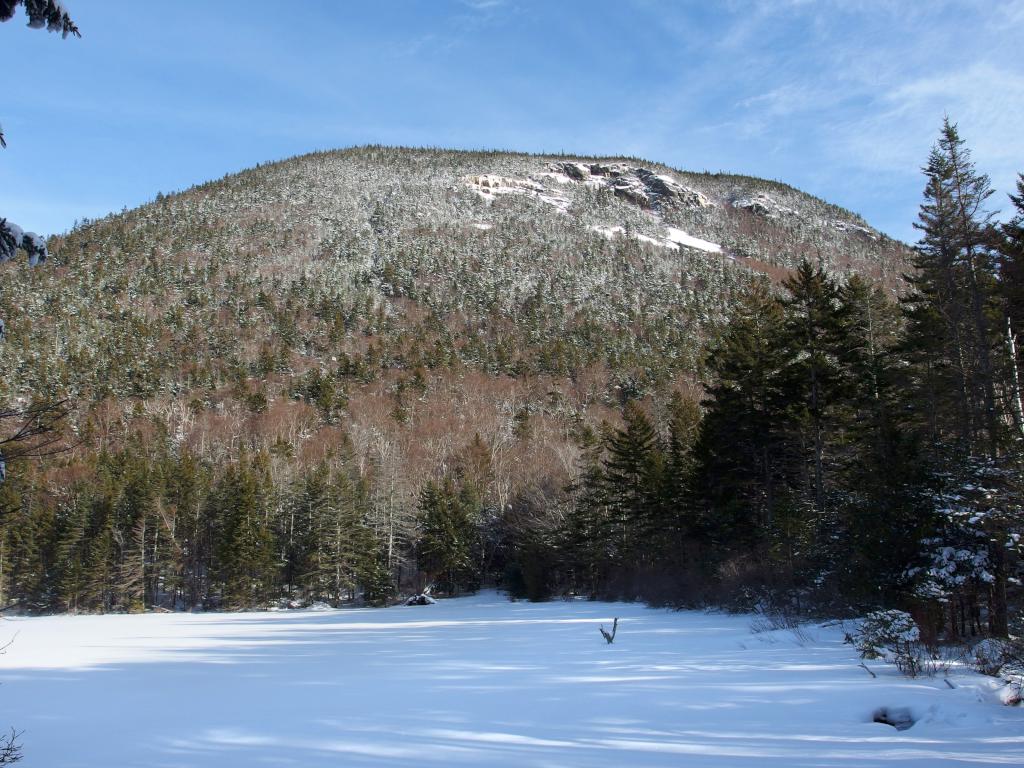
70,554
683,427
882,519
186,489
447,543
633,478
584,543
811,375
245,546
951,339
744,467
949,312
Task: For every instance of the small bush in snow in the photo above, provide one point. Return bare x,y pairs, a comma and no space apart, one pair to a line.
882,631
989,656
895,637
1003,659
772,622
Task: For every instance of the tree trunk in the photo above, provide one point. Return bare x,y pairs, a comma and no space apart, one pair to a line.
998,623
984,358
1015,398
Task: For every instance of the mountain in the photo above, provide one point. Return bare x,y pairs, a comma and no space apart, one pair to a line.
563,284
405,308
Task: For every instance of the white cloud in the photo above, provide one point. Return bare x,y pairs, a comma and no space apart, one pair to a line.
987,101
483,5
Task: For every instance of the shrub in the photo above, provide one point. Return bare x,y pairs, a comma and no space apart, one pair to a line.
895,637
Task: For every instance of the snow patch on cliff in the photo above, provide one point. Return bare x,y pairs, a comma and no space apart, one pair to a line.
675,239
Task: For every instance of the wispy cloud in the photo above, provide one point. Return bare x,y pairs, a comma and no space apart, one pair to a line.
847,96
985,99
483,5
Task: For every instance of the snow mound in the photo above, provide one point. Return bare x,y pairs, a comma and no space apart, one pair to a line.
855,229
682,238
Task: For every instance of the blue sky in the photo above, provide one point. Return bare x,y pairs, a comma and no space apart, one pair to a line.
842,99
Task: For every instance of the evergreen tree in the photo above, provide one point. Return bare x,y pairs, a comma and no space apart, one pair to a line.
245,545
949,331
950,340
975,548
745,473
330,551
70,554
811,376
28,529
447,542
100,555
882,519
683,419
583,536
41,13
633,475
187,486
133,521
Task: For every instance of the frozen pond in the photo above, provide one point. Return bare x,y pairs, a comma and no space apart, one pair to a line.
478,681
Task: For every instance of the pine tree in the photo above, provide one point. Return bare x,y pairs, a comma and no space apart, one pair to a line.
445,551
133,522
633,480
949,331
811,375
683,419
187,486
41,13
583,535
744,470
676,502
329,549
100,555
977,542
27,533
951,338
245,546
882,519
70,554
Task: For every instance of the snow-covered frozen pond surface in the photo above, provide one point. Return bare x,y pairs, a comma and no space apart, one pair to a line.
477,681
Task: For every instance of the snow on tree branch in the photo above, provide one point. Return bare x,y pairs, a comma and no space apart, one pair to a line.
13,237
41,13
50,14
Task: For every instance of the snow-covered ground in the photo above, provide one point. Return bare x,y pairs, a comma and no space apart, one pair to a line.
475,682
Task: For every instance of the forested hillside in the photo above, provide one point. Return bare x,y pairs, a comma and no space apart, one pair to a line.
355,373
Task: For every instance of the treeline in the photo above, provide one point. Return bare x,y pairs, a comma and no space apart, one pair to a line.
147,526
850,449
141,529
853,450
